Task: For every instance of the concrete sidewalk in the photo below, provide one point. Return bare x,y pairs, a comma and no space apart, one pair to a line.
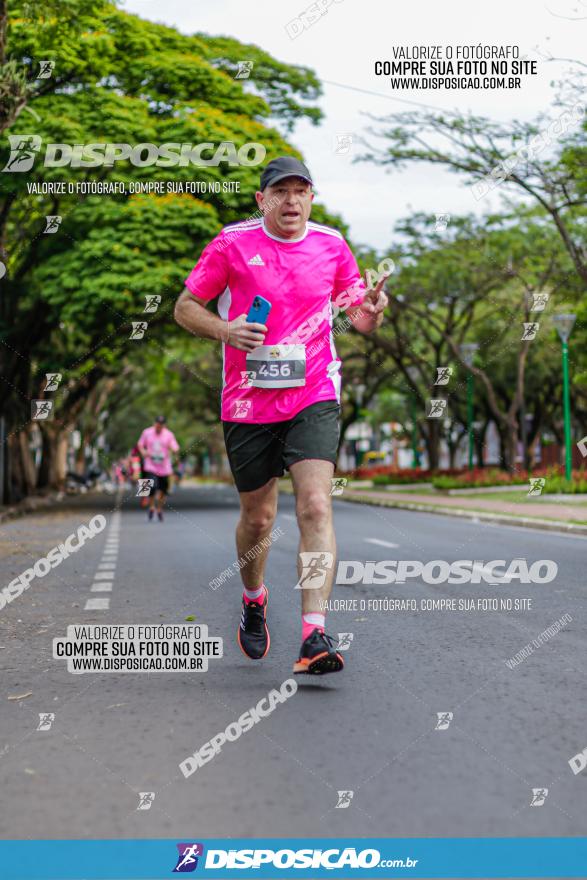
31,505
557,516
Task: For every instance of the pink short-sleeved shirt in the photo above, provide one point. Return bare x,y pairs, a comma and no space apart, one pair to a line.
159,447
303,279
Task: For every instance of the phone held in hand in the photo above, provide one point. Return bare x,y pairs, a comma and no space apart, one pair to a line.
259,310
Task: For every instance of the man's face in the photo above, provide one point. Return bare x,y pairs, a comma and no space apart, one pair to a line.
158,427
286,206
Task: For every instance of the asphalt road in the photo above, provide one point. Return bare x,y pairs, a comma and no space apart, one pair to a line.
370,729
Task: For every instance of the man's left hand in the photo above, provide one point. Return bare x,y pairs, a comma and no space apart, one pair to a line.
375,301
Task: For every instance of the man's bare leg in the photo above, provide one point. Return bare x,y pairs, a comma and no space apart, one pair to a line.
258,509
312,482
152,501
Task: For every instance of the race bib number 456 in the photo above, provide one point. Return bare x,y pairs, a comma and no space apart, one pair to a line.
277,366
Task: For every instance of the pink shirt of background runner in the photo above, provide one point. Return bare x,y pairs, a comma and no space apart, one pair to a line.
158,444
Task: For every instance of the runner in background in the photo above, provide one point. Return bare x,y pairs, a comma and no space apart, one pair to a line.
179,471
138,471
156,444
135,464
119,473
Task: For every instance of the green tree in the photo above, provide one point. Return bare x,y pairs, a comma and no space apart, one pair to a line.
474,283
69,299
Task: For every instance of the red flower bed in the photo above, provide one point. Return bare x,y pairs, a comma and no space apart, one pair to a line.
404,475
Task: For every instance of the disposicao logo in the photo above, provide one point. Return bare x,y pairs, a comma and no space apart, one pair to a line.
187,859
24,149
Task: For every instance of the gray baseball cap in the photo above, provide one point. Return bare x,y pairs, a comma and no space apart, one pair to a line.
279,169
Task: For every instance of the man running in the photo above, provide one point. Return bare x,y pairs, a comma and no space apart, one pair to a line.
155,445
281,386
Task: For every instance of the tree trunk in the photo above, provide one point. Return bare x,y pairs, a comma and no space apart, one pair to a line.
21,469
510,445
452,451
432,441
53,461
80,454
532,451
479,443
28,465
454,446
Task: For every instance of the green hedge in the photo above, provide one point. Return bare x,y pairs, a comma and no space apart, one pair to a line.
481,478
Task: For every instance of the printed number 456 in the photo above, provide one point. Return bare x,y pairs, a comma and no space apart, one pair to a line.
274,370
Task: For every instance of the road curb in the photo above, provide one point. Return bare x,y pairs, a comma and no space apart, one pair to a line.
547,525
30,505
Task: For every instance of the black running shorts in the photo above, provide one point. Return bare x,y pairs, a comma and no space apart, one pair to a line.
257,453
160,484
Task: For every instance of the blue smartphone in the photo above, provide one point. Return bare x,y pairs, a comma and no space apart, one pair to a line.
259,310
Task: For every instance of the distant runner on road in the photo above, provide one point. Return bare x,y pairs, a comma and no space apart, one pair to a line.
156,445
281,385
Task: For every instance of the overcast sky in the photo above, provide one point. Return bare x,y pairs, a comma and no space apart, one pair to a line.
342,47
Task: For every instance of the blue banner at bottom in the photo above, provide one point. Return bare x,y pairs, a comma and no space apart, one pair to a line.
289,857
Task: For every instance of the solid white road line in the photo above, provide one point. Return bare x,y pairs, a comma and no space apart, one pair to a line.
381,543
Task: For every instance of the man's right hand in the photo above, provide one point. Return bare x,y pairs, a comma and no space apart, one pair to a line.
245,336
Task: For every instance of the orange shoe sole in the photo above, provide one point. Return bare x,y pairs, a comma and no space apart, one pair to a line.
321,664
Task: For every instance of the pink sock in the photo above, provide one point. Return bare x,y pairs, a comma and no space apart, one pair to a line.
254,595
311,621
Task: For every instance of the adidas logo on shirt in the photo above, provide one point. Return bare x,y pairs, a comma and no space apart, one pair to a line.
257,260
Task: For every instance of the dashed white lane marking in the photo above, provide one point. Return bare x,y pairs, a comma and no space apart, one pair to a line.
288,516
104,576
381,543
98,603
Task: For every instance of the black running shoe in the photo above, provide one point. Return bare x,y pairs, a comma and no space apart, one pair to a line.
318,655
253,635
